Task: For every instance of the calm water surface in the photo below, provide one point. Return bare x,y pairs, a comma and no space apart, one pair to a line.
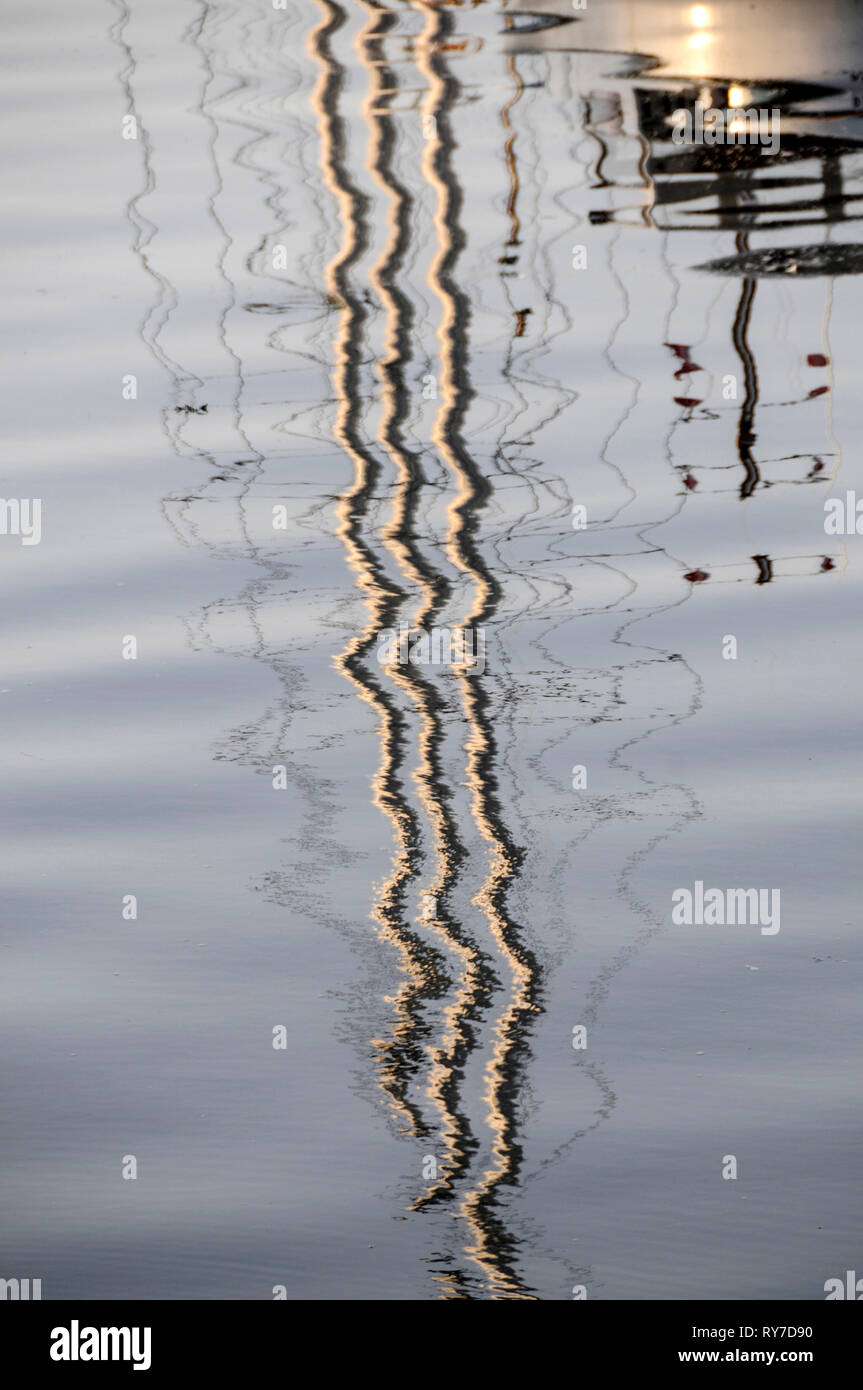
427,277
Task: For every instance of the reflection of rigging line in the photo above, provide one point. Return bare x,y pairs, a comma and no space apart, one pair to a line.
589,127
650,188
239,391
170,506
544,338
745,435
536,760
509,153
399,538
528,376
419,961
595,1072
159,313
567,396
492,1247
647,178
598,989
828,352
601,984
145,230
675,423
595,170
739,337
837,446
206,33
628,409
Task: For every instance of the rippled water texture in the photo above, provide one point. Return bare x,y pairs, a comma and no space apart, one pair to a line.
403,287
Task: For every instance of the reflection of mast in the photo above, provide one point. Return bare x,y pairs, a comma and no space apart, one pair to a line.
419,962
491,1245
514,238
730,194
431,589
739,335
395,551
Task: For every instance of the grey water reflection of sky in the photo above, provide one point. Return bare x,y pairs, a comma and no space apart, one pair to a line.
349,230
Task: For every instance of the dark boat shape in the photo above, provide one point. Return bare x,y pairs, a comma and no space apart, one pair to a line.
791,260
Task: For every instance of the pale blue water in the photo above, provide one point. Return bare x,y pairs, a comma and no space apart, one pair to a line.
427,383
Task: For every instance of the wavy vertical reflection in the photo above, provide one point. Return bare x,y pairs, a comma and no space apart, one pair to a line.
491,1245
459,514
